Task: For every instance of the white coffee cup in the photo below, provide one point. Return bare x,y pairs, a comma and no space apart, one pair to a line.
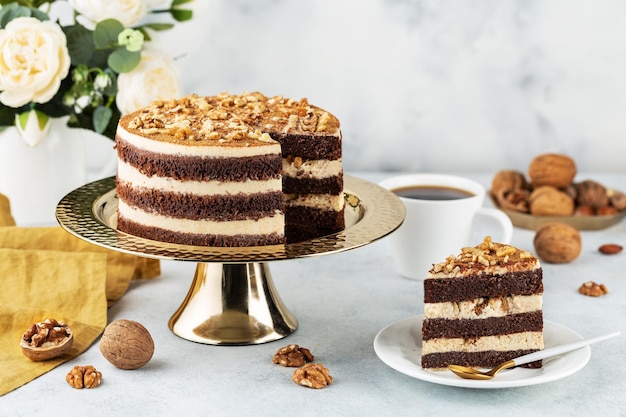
436,229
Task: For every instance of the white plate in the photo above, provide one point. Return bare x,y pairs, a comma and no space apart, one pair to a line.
399,345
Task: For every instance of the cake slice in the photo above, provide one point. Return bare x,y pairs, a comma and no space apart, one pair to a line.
482,307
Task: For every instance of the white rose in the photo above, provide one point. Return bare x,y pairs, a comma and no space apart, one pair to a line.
33,62
155,78
128,12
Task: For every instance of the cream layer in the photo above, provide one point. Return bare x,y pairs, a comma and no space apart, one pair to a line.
209,151
315,168
130,175
322,201
515,341
263,226
482,308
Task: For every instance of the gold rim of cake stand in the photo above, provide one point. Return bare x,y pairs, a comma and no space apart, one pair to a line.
232,299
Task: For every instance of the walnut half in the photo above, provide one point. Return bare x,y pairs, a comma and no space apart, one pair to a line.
312,375
593,289
84,377
292,355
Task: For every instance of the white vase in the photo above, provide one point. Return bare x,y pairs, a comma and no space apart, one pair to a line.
36,179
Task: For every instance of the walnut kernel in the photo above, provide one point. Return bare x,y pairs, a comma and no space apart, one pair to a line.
292,356
312,375
84,377
593,289
46,340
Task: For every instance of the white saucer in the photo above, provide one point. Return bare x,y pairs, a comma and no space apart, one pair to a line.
399,346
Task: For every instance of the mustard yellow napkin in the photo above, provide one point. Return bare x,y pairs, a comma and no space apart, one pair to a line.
121,268
37,284
46,272
6,219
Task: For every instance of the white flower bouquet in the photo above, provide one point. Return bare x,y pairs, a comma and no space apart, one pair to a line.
93,68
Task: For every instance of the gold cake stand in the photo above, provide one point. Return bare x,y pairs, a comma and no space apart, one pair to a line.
232,299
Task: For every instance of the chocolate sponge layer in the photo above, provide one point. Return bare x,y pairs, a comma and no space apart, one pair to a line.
198,207
162,235
492,326
262,167
486,359
439,290
307,147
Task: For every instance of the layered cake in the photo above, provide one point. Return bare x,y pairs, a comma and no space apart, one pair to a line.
482,307
229,170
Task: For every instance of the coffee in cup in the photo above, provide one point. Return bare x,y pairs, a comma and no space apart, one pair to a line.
441,212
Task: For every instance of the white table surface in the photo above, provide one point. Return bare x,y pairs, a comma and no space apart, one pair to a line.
342,301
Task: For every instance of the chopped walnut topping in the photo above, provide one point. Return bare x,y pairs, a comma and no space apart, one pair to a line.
233,117
487,254
322,123
292,355
593,289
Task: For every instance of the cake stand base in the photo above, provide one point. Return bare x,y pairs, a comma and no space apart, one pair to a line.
232,304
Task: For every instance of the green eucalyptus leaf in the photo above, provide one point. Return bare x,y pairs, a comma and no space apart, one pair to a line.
106,32
11,12
79,44
27,3
123,60
157,26
36,13
181,15
146,35
179,2
7,115
101,118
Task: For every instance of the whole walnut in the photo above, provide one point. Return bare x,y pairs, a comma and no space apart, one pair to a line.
591,193
557,242
549,201
127,344
552,169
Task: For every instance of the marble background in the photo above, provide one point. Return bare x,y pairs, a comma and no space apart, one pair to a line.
426,85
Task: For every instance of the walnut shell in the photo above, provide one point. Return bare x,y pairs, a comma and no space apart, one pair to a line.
548,201
58,339
508,180
127,344
557,242
552,169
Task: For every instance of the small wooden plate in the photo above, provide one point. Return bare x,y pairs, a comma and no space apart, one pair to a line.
528,221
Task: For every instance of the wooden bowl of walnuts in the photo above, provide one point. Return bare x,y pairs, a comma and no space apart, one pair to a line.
550,193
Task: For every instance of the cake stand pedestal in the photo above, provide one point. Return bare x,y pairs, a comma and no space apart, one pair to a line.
232,299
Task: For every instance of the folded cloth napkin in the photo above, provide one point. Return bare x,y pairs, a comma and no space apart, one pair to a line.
6,219
40,284
121,268
46,272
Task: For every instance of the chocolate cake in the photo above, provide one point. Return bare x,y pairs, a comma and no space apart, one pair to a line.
229,170
482,307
